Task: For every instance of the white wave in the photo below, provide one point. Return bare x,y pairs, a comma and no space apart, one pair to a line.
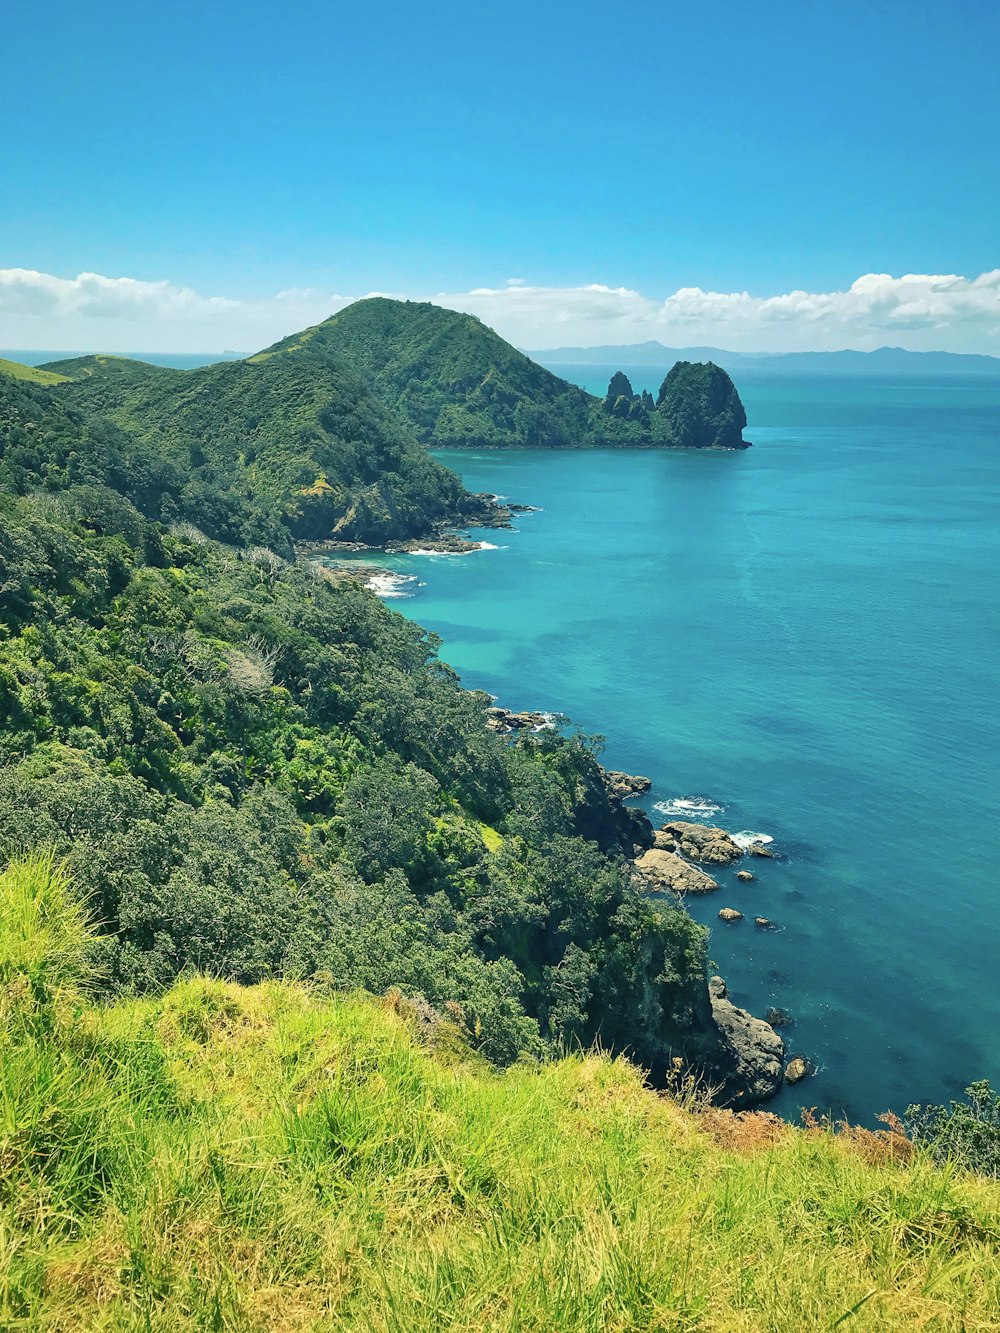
747,837
479,546
686,807
393,585
549,724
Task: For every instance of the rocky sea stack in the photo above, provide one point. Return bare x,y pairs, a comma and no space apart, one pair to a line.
701,407
697,407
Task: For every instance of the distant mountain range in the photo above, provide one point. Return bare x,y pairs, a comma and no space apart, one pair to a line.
883,361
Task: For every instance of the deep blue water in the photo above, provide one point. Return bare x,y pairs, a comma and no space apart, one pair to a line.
808,633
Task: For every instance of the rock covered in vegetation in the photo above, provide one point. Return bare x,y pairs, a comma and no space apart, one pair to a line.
701,408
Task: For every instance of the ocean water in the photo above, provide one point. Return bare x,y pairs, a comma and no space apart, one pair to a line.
806,635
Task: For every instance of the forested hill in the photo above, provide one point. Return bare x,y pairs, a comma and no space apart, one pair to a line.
456,381
269,450
253,766
459,384
320,436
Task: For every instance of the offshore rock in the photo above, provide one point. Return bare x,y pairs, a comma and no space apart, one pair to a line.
745,875
730,914
700,842
660,870
700,408
750,1055
798,1068
759,849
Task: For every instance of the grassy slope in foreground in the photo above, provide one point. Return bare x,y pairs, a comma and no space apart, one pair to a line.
459,384
267,1158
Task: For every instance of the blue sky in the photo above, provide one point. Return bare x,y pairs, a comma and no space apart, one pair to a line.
243,150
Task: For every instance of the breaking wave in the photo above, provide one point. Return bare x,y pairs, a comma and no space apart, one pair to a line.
746,837
393,585
687,807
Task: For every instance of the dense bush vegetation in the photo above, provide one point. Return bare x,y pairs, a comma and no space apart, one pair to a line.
457,383
254,767
266,450
266,1158
965,1132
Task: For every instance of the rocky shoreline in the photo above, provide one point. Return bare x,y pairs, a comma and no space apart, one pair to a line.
442,538
743,1057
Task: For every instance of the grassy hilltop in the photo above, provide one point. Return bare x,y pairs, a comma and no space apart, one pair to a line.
273,1158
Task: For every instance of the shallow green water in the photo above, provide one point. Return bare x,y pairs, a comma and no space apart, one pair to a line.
808,634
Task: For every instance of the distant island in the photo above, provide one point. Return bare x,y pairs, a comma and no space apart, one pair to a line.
882,361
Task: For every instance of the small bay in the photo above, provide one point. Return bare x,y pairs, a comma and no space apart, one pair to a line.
808,635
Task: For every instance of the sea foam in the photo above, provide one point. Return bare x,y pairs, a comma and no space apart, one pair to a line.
480,546
688,807
747,837
393,585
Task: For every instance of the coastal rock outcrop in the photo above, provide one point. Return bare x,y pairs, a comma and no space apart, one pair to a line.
730,914
798,1068
699,842
626,785
662,870
744,875
504,720
750,1057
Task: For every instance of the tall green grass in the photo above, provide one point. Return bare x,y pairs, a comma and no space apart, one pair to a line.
266,1158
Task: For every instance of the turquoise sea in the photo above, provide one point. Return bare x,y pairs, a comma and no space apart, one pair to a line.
806,635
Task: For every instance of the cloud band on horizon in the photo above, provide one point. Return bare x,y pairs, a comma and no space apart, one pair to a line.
920,311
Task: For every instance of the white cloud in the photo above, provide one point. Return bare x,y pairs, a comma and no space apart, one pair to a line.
124,314
917,310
